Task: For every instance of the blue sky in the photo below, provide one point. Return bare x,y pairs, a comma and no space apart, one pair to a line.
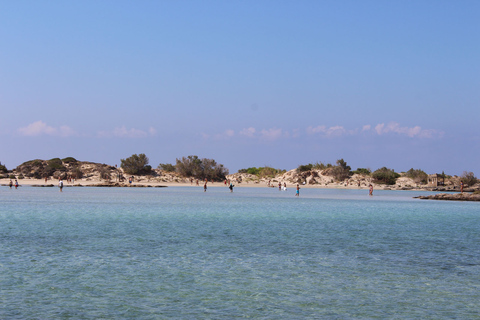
247,83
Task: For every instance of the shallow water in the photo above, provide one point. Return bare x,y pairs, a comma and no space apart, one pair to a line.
90,253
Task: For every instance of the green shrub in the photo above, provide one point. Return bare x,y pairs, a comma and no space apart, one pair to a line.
69,160
385,176
167,167
321,166
192,166
263,172
304,167
251,170
468,178
419,176
37,175
3,169
136,164
56,163
341,171
362,171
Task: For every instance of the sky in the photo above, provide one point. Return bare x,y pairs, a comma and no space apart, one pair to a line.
248,83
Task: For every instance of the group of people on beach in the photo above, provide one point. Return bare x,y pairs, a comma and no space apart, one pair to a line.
226,182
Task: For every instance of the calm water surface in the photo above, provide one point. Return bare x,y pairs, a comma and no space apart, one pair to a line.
123,253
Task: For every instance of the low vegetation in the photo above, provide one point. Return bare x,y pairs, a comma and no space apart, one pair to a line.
313,166
419,176
3,169
468,178
362,171
193,166
167,167
341,171
136,164
203,168
263,172
54,167
385,176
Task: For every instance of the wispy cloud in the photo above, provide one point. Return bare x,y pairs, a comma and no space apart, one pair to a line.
39,128
248,132
416,131
227,134
123,132
272,134
323,131
334,131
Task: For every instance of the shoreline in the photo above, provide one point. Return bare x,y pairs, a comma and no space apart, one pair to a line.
156,184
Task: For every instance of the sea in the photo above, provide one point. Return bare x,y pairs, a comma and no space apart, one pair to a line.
255,253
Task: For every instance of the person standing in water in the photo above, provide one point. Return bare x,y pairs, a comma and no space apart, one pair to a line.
16,183
297,194
370,191
10,184
60,185
205,185
231,187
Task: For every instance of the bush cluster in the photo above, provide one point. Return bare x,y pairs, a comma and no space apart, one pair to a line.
468,178
262,172
3,169
385,176
341,171
313,166
193,166
362,171
136,164
419,176
167,167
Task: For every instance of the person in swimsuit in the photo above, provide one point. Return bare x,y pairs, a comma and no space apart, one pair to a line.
297,194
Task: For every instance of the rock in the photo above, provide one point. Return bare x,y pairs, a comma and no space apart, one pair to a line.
452,196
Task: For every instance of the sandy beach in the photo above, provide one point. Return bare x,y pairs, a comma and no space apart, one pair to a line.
153,183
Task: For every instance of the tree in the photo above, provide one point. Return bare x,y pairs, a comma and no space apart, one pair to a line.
468,178
167,167
3,168
136,164
385,176
341,171
192,166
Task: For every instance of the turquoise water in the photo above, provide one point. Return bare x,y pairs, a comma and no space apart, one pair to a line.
122,253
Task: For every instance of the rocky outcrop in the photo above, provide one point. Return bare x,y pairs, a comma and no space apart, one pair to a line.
452,196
